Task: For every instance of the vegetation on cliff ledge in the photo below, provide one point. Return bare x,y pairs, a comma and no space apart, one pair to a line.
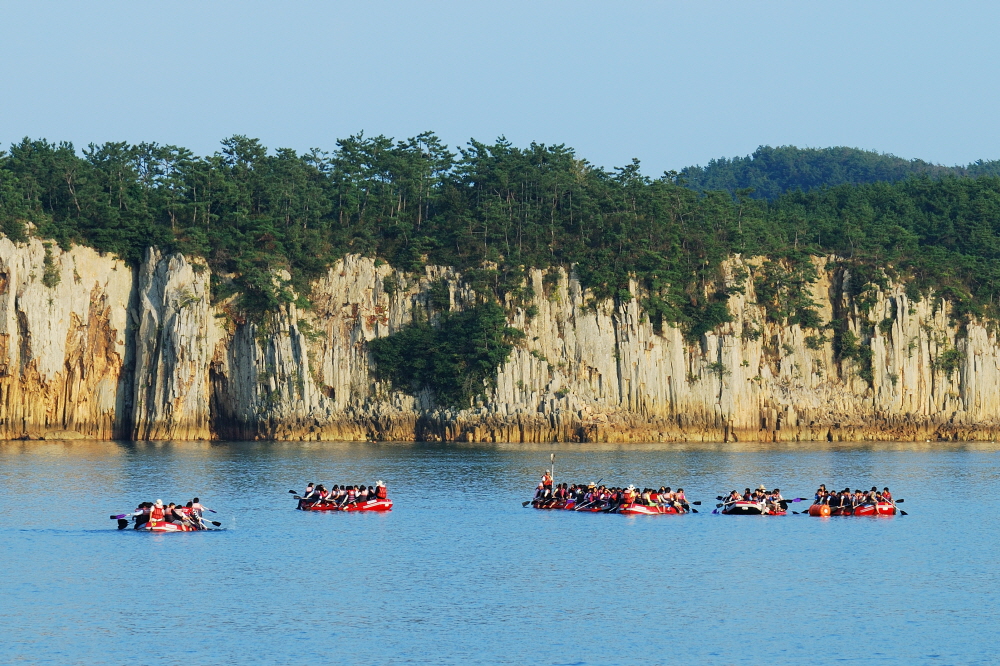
458,357
493,210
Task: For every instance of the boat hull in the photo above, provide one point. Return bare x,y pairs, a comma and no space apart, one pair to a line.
369,505
749,509
162,526
642,510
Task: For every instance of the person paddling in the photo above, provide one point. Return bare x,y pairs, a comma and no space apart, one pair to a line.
142,514
198,508
680,500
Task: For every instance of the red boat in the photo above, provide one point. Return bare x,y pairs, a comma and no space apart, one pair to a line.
370,505
163,526
882,509
633,510
743,508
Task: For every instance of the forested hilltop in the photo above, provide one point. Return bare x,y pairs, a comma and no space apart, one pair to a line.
770,172
494,210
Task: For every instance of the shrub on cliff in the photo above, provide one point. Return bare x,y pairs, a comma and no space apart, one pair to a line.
456,357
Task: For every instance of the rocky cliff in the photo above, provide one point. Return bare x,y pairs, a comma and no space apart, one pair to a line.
90,347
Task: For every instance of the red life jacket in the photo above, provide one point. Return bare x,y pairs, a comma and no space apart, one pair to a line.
381,492
156,514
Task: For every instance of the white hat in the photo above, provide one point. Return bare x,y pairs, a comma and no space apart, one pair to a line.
631,488
379,483
159,502
762,487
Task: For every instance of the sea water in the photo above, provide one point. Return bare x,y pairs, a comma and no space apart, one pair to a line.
460,573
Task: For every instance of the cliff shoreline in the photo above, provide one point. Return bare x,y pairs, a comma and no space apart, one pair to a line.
91,348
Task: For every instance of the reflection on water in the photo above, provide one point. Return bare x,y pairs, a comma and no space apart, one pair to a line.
459,572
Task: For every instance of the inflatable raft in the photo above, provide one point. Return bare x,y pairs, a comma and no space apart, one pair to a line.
163,526
882,509
369,505
743,508
633,510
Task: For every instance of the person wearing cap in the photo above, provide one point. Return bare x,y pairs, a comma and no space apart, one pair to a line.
547,480
381,492
156,514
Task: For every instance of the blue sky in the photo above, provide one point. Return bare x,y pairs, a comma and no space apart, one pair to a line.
671,83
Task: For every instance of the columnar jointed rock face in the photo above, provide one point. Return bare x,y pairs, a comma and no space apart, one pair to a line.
175,333
62,342
91,348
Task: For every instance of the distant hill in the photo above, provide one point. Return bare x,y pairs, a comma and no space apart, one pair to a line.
773,171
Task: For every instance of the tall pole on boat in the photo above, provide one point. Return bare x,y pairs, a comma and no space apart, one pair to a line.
552,467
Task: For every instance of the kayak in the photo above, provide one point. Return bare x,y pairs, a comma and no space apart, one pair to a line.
883,509
743,508
369,505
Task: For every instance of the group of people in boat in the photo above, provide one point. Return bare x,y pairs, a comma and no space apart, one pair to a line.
846,499
188,514
592,496
771,499
342,495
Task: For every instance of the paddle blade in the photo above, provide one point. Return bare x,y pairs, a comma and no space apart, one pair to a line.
900,501
696,503
216,523
694,510
718,497
526,503
718,506
118,516
294,492
903,513
122,523
715,511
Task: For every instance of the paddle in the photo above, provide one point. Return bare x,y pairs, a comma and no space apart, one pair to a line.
122,523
